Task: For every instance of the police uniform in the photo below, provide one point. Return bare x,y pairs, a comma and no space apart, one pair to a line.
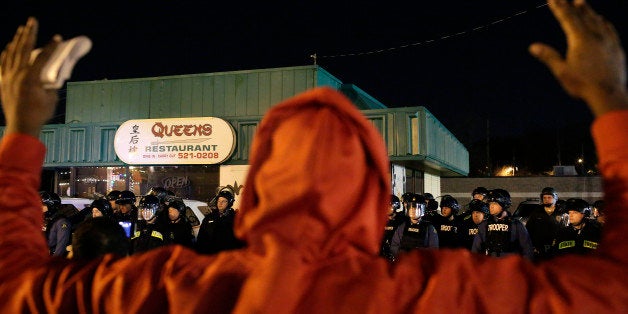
389,231
409,236
466,233
179,232
580,241
216,233
149,236
503,235
542,228
581,238
58,232
447,229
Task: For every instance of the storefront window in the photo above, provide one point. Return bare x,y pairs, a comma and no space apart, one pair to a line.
195,182
64,188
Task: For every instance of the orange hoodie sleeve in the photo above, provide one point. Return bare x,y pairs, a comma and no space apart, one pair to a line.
21,160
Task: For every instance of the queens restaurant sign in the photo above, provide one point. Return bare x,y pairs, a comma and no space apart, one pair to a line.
176,141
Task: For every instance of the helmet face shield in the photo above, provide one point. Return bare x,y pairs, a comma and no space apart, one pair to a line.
147,213
415,210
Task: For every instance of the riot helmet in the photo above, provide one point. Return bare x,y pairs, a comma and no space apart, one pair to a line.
103,206
578,205
479,210
431,204
598,208
499,196
148,207
415,206
51,200
551,192
113,195
478,206
159,192
480,190
227,195
126,197
395,204
451,202
176,209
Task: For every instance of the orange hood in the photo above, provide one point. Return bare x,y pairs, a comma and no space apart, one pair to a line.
318,182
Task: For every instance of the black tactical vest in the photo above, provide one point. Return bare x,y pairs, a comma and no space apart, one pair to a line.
414,236
498,235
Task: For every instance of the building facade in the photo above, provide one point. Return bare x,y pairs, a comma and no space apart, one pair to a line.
82,162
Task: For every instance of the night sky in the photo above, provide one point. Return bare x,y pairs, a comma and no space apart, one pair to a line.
465,61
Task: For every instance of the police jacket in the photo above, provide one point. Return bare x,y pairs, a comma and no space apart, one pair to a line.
147,237
216,233
467,232
542,229
308,252
447,229
58,235
409,236
179,232
503,235
580,241
389,231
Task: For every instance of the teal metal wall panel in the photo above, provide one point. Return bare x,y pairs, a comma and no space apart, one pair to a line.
241,95
220,96
238,93
51,137
246,130
252,99
78,149
276,83
265,91
242,98
103,149
380,122
208,101
230,103
196,97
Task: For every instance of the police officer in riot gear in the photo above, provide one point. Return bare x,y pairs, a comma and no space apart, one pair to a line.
216,231
177,228
100,208
479,193
149,233
543,224
127,214
112,197
445,224
414,232
395,218
431,207
581,236
501,234
469,228
57,228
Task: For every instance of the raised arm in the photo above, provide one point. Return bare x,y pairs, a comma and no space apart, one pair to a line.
593,68
26,104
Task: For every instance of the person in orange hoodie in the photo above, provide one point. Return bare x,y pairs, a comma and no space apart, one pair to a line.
336,164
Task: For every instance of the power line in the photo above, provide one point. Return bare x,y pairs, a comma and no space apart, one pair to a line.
429,41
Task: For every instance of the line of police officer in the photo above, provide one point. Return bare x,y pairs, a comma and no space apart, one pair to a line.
485,227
